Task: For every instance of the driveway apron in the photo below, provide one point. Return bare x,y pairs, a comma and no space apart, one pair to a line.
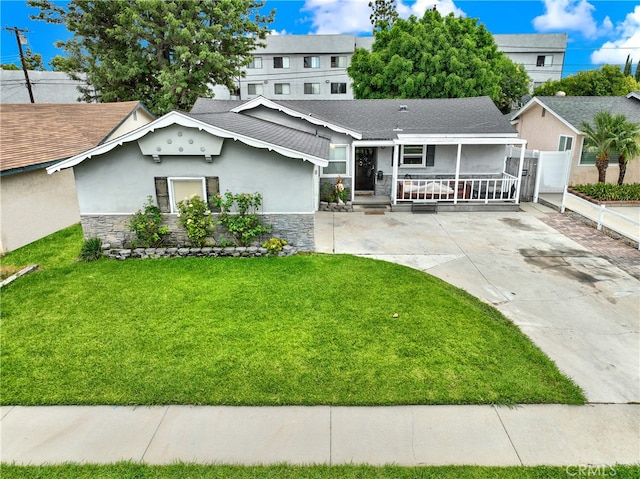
576,306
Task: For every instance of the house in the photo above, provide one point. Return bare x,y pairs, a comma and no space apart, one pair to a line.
445,152
299,67
35,136
552,123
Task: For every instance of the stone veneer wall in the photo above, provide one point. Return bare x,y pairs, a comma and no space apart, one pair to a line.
297,229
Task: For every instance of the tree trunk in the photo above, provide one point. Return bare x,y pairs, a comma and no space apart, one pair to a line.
622,163
601,164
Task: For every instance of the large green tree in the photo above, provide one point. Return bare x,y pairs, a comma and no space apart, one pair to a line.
609,80
436,57
163,53
383,14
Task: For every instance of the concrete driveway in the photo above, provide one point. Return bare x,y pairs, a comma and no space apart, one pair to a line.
578,307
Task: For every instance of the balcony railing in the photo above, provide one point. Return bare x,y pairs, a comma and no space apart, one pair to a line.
477,190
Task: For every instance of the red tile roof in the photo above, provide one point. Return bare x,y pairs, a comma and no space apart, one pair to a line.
31,134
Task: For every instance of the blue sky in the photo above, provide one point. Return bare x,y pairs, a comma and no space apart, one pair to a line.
599,31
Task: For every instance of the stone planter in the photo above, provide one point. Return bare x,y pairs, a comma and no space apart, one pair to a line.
336,207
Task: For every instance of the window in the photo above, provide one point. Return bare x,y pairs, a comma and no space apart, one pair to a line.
337,160
282,89
565,143
312,62
254,89
589,157
544,60
256,62
418,155
337,88
280,62
338,62
312,88
171,190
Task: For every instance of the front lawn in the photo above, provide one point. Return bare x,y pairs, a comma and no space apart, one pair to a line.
188,471
304,330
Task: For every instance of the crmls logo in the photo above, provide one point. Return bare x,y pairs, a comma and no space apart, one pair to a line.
590,471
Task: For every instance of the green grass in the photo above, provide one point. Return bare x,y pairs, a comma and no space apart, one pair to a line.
302,330
190,471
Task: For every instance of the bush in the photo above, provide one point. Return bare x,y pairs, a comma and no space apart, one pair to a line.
91,250
238,214
145,224
610,192
195,218
331,193
274,245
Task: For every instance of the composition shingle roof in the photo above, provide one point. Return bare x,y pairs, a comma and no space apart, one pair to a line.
268,132
33,134
380,119
576,109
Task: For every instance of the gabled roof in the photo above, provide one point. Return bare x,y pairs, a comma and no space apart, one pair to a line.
385,119
573,110
39,134
311,144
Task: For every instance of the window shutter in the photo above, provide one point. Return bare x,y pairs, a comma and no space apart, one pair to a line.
162,194
213,188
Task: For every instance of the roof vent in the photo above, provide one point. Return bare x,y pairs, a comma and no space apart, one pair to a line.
403,108
561,93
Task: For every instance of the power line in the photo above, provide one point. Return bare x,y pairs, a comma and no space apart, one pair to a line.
19,39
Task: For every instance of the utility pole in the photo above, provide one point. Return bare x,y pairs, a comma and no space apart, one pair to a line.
19,38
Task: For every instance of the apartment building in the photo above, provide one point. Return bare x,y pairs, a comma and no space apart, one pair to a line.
314,67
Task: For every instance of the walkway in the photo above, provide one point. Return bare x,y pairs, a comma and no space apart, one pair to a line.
405,435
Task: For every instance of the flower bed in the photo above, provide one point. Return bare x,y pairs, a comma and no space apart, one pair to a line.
608,194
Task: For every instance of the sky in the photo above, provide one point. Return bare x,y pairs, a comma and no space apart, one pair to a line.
599,31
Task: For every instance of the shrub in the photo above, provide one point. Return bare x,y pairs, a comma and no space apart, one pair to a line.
274,245
238,214
145,224
610,192
91,250
195,217
331,193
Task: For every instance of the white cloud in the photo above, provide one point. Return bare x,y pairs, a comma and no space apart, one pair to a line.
566,15
627,42
352,16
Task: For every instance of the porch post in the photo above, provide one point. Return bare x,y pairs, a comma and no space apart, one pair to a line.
455,186
394,175
352,165
523,148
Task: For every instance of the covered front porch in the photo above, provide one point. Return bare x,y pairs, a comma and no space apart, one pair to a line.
450,172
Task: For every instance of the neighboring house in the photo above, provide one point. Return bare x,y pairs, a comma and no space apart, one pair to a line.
446,151
47,87
314,67
35,136
552,123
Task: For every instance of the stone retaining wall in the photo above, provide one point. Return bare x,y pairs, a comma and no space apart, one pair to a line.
234,252
297,229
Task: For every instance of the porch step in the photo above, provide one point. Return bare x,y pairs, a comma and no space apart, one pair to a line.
431,207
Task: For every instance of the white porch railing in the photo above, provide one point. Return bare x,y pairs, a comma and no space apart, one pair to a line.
475,190
602,216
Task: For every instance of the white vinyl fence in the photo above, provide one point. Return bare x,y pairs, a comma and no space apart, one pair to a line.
602,216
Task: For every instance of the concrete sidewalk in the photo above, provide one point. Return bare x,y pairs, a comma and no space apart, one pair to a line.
403,435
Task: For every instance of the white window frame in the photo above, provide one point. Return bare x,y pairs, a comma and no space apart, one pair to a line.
562,147
282,88
338,84
285,62
256,63
347,149
546,62
422,156
313,87
313,61
338,61
172,199
258,88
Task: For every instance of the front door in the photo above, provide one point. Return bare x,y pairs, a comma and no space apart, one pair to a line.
365,169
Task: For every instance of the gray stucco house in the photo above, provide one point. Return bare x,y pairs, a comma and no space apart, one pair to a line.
451,151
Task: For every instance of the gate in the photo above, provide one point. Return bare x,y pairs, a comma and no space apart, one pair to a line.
553,171
529,171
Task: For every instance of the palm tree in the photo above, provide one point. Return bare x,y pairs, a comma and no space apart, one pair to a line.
600,139
626,143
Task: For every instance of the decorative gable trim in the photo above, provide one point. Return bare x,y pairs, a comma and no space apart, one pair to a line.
177,118
262,101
